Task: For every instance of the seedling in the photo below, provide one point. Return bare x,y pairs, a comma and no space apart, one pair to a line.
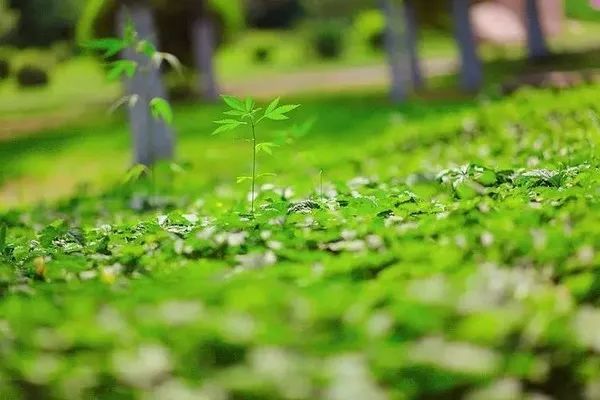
159,108
246,113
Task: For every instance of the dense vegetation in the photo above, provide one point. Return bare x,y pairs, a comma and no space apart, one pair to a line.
453,254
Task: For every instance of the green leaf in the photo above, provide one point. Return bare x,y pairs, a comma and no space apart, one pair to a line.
147,48
229,122
135,173
234,103
272,106
228,127
3,233
266,147
249,104
109,46
241,179
161,109
285,109
277,117
235,113
266,174
122,68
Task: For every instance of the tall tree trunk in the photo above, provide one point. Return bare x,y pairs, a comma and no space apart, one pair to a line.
395,48
203,42
536,41
410,16
471,69
153,140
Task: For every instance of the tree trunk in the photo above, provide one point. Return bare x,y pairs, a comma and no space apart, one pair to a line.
395,48
471,69
536,41
153,140
410,16
203,42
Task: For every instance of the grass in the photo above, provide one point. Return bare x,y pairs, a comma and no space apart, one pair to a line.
452,254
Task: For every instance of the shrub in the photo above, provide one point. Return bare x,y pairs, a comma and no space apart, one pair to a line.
262,54
328,40
32,76
370,27
4,68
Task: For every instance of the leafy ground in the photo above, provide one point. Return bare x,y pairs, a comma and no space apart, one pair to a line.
450,252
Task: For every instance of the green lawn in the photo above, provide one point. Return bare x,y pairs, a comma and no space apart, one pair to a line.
450,252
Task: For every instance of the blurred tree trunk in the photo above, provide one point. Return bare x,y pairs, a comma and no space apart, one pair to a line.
471,69
152,139
536,40
395,48
412,24
203,42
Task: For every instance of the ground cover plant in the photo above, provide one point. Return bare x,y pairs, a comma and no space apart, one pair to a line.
453,255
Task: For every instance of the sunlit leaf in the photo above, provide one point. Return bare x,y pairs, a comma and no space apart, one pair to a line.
266,147
241,179
272,106
121,68
135,173
161,109
234,103
249,104
147,48
108,46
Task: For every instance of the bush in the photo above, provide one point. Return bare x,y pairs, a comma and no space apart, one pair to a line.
370,27
328,40
262,54
32,76
4,68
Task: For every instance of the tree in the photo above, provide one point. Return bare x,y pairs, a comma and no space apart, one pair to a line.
471,69
536,41
395,48
410,17
153,139
203,47
189,29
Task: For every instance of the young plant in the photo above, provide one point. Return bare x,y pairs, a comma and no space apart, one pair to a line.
246,113
148,59
110,47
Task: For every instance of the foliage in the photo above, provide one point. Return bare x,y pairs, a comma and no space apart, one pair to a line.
246,113
582,10
127,68
173,20
8,18
32,76
327,39
455,255
44,22
4,68
370,27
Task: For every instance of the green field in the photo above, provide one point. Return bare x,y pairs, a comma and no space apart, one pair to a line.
436,250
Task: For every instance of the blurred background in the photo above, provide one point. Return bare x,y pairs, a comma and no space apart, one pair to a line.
55,132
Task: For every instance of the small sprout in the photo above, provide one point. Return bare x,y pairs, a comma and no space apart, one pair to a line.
245,112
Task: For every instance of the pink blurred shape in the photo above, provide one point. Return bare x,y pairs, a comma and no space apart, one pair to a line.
595,4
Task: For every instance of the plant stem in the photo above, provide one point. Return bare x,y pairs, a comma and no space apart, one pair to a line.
253,164
321,177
